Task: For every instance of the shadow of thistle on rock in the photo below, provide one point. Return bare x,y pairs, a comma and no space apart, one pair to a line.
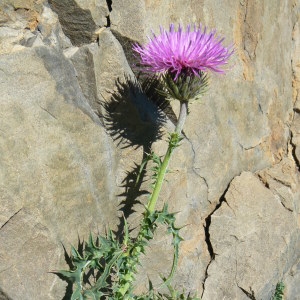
134,117
135,113
68,260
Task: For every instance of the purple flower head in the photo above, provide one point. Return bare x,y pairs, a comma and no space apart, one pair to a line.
184,52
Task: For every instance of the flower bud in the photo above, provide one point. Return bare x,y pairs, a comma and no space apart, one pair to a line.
185,88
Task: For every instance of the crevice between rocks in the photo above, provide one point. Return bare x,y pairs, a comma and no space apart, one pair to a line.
294,77
284,206
207,234
108,23
10,219
245,31
296,110
266,184
293,152
263,181
250,294
109,6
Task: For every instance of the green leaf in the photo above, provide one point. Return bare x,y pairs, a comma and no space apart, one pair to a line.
76,295
279,291
126,233
102,281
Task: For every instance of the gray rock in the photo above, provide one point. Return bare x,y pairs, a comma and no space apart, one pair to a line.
26,245
296,137
291,282
19,14
30,28
110,63
251,233
64,74
83,60
296,57
50,31
56,168
241,124
80,19
283,180
60,170
135,19
33,5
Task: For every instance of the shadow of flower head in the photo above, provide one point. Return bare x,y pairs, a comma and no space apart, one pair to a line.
135,113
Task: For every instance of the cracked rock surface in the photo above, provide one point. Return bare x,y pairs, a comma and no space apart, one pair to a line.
251,233
234,180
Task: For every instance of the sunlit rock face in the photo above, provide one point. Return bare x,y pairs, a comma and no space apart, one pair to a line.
75,122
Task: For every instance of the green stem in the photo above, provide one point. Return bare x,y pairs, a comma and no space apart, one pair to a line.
164,166
182,117
160,179
138,246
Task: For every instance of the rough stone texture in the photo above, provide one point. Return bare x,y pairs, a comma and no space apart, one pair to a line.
96,71
283,180
296,56
250,101
29,28
50,169
81,19
296,87
67,91
291,281
32,5
254,227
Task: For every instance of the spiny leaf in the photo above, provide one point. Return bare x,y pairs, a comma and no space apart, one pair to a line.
75,254
76,295
102,281
126,232
279,291
96,295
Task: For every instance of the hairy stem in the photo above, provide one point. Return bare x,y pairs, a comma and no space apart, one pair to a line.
164,166
160,179
182,117
134,251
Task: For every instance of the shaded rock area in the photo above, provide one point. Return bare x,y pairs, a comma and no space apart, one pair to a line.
75,122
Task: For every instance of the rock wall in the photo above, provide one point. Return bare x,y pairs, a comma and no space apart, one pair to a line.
74,124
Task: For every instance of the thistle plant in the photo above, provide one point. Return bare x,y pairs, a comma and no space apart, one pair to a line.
106,268
279,291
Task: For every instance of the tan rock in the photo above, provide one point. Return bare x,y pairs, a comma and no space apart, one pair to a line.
283,180
81,19
296,57
251,233
31,5
60,170
69,172
234,133
291,283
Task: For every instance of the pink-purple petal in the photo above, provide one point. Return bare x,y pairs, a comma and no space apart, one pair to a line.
175,51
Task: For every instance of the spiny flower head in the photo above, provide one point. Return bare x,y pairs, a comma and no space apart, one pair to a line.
189,52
